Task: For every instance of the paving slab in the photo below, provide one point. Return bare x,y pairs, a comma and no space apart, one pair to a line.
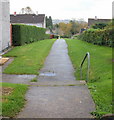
51,98
58,102
18,79
58,69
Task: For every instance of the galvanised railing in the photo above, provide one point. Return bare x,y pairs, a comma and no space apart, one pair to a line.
88,66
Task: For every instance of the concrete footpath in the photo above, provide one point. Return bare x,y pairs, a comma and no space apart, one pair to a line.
57,94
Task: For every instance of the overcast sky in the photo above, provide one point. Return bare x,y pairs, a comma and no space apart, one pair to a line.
66,9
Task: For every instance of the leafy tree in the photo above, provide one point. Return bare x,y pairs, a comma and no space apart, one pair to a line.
65,28
77,26
70,28
74,27
56,26
49,23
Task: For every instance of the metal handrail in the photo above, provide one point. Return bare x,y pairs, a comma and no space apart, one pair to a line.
88,65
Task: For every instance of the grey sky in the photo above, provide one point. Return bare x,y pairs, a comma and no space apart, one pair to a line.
66,9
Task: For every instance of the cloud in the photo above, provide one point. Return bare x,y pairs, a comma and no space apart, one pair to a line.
62,9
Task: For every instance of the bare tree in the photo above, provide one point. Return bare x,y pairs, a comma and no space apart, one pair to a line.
26,10
22,11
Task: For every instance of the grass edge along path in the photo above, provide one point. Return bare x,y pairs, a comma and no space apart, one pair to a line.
28,58
100,83
13,102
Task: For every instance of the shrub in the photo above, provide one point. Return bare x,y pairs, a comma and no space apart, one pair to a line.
25,34
56,36
98,36
99,25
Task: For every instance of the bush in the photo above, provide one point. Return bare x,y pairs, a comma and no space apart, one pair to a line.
56,36
99,25
98,36
25,34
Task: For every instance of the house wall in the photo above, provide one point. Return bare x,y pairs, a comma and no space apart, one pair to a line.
93,21
44,24
37,24
0,26
5,25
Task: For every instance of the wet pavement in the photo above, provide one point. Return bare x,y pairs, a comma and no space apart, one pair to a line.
58,94
58,69
18,79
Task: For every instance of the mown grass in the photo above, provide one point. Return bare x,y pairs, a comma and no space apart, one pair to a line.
15,101
100,82
28,58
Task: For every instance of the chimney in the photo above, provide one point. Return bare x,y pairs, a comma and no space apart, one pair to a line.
14,13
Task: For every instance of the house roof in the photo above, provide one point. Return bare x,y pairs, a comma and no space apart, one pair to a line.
92,21
27,18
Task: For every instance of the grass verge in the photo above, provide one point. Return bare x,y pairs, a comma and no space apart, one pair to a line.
13,101
100,83
28,58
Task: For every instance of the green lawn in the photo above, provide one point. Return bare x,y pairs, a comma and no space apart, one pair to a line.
100,83
28,58
12,103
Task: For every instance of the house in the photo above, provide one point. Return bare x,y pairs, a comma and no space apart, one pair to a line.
4,25
29,19
92,21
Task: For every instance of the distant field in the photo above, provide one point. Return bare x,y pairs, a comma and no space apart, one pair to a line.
28,58
100,83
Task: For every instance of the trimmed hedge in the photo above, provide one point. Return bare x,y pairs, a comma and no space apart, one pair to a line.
98,36
25,34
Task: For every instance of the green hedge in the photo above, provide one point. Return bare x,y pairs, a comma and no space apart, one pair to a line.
47,36
25,34
66,36
98,36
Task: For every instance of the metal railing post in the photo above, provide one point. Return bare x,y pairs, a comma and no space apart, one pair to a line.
88,65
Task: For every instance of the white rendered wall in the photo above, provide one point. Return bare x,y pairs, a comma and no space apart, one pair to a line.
4,24
113,9
0,25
